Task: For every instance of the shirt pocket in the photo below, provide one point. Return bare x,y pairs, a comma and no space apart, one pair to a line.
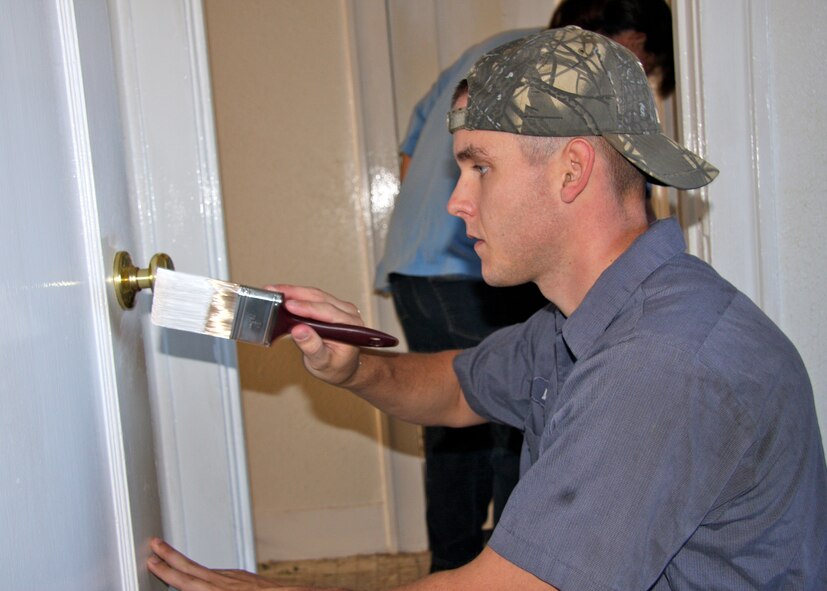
536,420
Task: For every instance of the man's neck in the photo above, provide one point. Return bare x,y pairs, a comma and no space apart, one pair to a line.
575,277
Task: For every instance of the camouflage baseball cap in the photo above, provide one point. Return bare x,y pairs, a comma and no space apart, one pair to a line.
569,82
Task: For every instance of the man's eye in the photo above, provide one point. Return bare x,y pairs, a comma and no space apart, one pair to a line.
481,169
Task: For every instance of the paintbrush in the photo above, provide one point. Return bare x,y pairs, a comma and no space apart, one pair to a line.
232,311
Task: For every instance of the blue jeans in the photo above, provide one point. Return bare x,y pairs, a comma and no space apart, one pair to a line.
465,469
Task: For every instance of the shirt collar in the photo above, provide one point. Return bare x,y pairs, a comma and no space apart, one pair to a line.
662,241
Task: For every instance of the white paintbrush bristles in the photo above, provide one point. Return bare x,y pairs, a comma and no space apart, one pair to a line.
193,303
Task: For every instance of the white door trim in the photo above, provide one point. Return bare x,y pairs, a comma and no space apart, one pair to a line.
85,179
375,119
174,180
723,82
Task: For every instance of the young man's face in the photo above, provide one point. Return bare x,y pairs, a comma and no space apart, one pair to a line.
509,206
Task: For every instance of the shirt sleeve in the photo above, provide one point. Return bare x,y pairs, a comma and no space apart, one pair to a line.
631,459
496,375
419,116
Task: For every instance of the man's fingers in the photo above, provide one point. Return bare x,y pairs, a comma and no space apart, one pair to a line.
312,300
329,361
175,559
176,578
327,311
179,571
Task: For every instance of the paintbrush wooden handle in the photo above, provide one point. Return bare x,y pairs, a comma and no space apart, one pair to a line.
351,334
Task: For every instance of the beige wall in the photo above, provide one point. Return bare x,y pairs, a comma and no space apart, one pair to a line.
291,192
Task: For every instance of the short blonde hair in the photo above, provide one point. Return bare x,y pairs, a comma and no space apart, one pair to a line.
625,178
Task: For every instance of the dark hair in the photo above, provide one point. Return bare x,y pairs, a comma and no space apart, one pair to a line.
612,17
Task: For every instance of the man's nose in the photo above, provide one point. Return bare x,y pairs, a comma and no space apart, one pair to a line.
459,204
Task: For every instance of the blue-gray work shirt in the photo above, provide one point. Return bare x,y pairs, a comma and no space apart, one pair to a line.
671,439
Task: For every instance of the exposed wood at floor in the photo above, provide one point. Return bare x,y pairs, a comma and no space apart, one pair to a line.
376,572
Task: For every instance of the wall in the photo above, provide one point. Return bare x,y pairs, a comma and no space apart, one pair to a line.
799,124
291,186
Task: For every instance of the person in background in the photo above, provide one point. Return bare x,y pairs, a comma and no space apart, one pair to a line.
671,437
642,26
430,268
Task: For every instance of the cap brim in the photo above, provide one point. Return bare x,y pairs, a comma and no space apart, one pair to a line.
666,162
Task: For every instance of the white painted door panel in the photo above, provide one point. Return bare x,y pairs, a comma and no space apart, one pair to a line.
80,495
177,206
105,420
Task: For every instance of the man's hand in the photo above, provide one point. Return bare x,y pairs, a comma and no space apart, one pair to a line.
177,570
418,388
329,361
488,571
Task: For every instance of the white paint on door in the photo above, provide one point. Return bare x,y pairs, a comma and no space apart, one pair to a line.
81,495
88,388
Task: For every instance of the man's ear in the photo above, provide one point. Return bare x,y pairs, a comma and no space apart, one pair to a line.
578,162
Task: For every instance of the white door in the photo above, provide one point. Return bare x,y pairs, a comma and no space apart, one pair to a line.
79,495
94,460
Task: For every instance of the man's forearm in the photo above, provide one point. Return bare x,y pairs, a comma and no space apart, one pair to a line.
488,571
420,388
415,387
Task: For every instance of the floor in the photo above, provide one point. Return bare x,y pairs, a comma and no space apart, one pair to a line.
376,572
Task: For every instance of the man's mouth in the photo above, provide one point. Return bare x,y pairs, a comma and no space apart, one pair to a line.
475,239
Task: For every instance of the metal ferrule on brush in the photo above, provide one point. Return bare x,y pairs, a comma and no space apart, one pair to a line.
255,315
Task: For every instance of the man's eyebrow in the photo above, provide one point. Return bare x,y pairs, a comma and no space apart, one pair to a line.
471,152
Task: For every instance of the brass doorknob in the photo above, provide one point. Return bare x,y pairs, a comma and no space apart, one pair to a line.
127,279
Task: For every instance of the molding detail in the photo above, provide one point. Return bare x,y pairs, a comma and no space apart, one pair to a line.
85,178
723,85
174,179
217,260
375,128
693,205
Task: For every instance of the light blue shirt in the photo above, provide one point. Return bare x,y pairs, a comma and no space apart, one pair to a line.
671,439
423,239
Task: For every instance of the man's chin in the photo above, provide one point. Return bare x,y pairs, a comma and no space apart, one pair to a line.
495,280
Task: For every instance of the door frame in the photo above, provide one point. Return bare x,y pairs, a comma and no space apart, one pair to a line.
374,115
731,224
757,223
161,59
